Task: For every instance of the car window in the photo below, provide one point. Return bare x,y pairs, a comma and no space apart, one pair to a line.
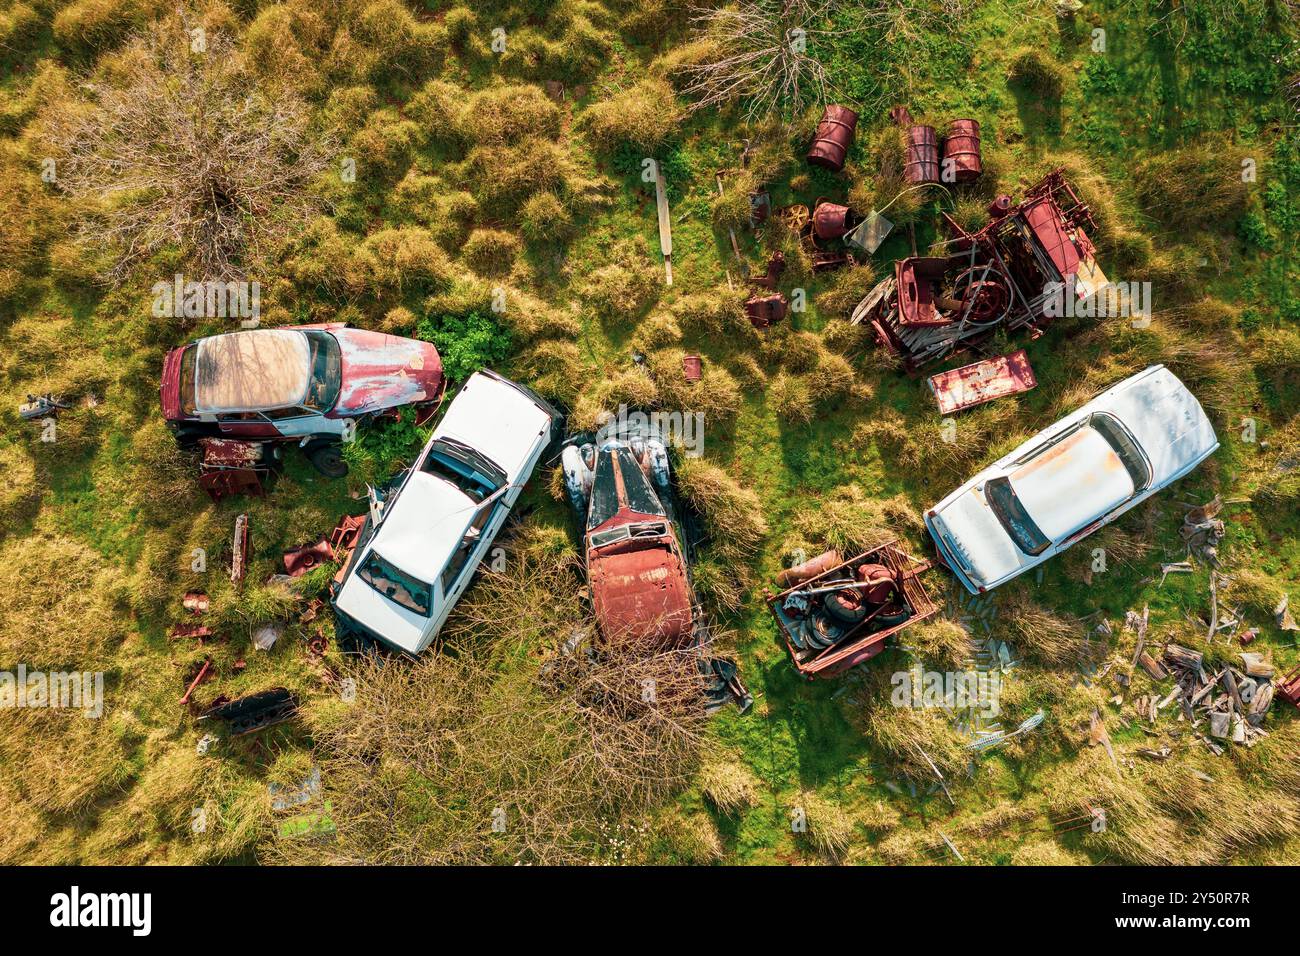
395,584
187,379
1117,436
326,371
463,475
292,412
1006,505
468,543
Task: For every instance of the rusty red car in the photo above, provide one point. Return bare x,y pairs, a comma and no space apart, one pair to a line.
308,383
636,553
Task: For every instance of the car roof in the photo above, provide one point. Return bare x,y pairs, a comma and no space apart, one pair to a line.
1164,417
1072,482
251,371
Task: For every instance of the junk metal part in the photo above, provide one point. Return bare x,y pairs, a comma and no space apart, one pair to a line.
830,146
255,711
809,569
832,220
692,367
760,208
298,561
196,602
961,151
239,550
41,406
922,164
232,467
764,310
775,266
961,388
205,671
665,224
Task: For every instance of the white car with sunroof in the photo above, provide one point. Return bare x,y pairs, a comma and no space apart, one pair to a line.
1071,479
421,545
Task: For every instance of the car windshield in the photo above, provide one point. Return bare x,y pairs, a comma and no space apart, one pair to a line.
326,371
469,471
642,529
396,585
1006,505
1117,436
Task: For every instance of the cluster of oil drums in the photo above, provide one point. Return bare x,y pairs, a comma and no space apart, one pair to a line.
953,159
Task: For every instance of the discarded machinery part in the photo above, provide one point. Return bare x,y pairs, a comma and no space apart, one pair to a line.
980,382
809,569
999,207
692,367
879,582
198,631
922,165
760,208
1288,688
298,561
763,310
832,220
255,711
665,224
1282,615
239,550
795,218
344,536
196,602
205,671
830,146
984,294
961,150
869,307
41,406
775,266
233,467
846,606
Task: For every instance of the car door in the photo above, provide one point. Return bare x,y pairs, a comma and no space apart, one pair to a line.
246,425
298,422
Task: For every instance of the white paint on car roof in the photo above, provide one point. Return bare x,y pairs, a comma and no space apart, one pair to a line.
497,419
1071,483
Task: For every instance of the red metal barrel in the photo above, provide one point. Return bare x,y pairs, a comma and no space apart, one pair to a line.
834,135
922,155
831,220
809,569
692,367
961,150
999,207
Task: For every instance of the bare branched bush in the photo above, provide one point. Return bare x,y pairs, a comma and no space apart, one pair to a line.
454,761
765,57
179,147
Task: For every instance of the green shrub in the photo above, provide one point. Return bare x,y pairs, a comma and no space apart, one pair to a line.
466,343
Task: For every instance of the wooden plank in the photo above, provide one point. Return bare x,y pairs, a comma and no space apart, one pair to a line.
665,223
981,382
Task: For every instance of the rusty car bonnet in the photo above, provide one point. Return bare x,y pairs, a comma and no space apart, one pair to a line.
383,371
638,580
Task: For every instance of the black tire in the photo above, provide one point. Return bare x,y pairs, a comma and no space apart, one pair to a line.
845,607
327,458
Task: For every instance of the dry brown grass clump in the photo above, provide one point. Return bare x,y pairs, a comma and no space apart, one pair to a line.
623,288
851,521
941,641
1035,631
643,117
1196,187
20,489
729,786
905,736
732,513
830,829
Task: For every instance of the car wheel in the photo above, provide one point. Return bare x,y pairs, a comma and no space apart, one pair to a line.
327,458
845,606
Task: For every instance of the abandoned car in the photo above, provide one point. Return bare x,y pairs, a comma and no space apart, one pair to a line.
423,541
1071,479
635,551
306,383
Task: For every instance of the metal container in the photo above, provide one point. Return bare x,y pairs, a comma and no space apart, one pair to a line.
834,135
831,221
763,310
692,367
922,155
961,151
999,207
809,569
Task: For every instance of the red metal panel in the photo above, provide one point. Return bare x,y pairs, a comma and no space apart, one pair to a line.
981,382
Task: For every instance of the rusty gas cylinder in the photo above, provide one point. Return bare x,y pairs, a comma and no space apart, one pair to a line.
961,151
922,155
808,569
834,135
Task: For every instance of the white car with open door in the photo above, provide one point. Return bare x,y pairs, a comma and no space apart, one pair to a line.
1067,481
420,547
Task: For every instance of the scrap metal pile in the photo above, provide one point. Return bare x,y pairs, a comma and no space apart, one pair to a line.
1003,275
1228,705
836,614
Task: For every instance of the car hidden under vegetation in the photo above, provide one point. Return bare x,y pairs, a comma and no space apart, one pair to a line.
309,383
1072,478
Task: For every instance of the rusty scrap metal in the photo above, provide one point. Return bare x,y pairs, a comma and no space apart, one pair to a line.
960,388
205,671
830,145
196,602
764,310
961,151
298,561
255,711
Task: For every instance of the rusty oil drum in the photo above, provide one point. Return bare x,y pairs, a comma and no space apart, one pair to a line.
831,220
961,150
834,135
922,155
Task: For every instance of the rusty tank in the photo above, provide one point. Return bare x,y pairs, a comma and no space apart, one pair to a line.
832,220
809,569
922,164
834,135
961,151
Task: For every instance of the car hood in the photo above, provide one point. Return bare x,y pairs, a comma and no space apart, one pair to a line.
640,593
381,371
982,546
